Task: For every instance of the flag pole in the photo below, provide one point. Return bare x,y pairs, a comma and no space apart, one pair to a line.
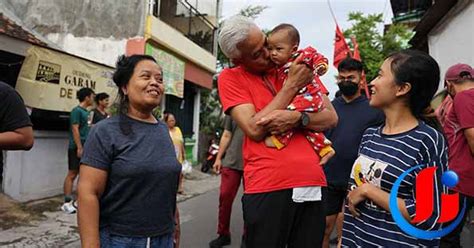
332,12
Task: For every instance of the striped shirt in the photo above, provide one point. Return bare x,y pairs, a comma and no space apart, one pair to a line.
382,159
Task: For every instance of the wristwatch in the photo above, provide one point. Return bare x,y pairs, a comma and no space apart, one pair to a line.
304,120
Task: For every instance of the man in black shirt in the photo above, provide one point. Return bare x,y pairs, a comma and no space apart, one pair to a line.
16,132
100,112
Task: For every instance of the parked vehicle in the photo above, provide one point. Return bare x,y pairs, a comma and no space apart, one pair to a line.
211,154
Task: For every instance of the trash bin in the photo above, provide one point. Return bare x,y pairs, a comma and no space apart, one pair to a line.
189,144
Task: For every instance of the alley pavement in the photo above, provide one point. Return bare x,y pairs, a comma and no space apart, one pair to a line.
42,224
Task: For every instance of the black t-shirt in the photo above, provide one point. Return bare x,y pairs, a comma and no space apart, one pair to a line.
354,118
13,113
140,194
97,116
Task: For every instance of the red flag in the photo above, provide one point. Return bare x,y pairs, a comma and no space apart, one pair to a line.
356,55
341,49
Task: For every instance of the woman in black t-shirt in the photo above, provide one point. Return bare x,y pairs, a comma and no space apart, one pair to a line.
129,172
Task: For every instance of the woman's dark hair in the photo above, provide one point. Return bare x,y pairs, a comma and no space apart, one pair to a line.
124,70
101,96
166,115
422,72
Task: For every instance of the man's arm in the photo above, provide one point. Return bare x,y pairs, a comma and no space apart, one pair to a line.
77,139
325,119
469,133
280,121
17,133
18,139
247,118
245,114
223,144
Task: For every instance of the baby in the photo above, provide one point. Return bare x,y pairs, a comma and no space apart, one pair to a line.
283,43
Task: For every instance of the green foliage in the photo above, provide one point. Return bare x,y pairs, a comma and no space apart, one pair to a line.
211,109
373,46
252,11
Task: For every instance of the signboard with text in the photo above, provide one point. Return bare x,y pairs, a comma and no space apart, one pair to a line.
173,70
49,80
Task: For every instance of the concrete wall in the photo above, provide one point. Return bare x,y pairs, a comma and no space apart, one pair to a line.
96,30
450,42
40,172
101,50
176,42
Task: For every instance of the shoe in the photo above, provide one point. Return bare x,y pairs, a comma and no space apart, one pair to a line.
69,207
220,241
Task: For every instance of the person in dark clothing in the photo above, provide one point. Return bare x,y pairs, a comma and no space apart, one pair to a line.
16,132
229,163
100,112
355,115
80,123
129,172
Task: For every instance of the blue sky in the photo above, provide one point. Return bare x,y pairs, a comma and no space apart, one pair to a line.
313,19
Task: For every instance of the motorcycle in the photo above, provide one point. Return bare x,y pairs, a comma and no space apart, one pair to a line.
211,154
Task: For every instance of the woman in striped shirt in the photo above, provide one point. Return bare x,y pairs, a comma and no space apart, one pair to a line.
404,87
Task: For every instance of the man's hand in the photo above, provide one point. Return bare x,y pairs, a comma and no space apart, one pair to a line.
79,152
299,74
217,166
280,121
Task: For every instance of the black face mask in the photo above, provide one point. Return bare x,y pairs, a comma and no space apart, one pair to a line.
348,88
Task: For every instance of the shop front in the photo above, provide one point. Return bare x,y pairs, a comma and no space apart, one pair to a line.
48,81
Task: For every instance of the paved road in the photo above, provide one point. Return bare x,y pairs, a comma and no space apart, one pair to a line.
199,220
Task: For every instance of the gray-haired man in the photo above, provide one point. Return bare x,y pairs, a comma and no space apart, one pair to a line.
282,199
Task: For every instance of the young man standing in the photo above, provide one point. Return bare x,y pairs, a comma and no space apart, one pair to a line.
229,164
355,115
459,131
79,128
100,112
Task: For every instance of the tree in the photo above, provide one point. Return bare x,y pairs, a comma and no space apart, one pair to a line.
373,46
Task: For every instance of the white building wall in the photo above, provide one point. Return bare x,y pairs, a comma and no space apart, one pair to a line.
40,172
101,50
451,41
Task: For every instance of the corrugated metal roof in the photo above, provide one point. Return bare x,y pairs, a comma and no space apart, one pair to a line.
10,28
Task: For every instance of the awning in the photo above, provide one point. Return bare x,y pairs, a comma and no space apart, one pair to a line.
49,79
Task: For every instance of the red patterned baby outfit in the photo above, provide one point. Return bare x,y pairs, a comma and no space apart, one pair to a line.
309,99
